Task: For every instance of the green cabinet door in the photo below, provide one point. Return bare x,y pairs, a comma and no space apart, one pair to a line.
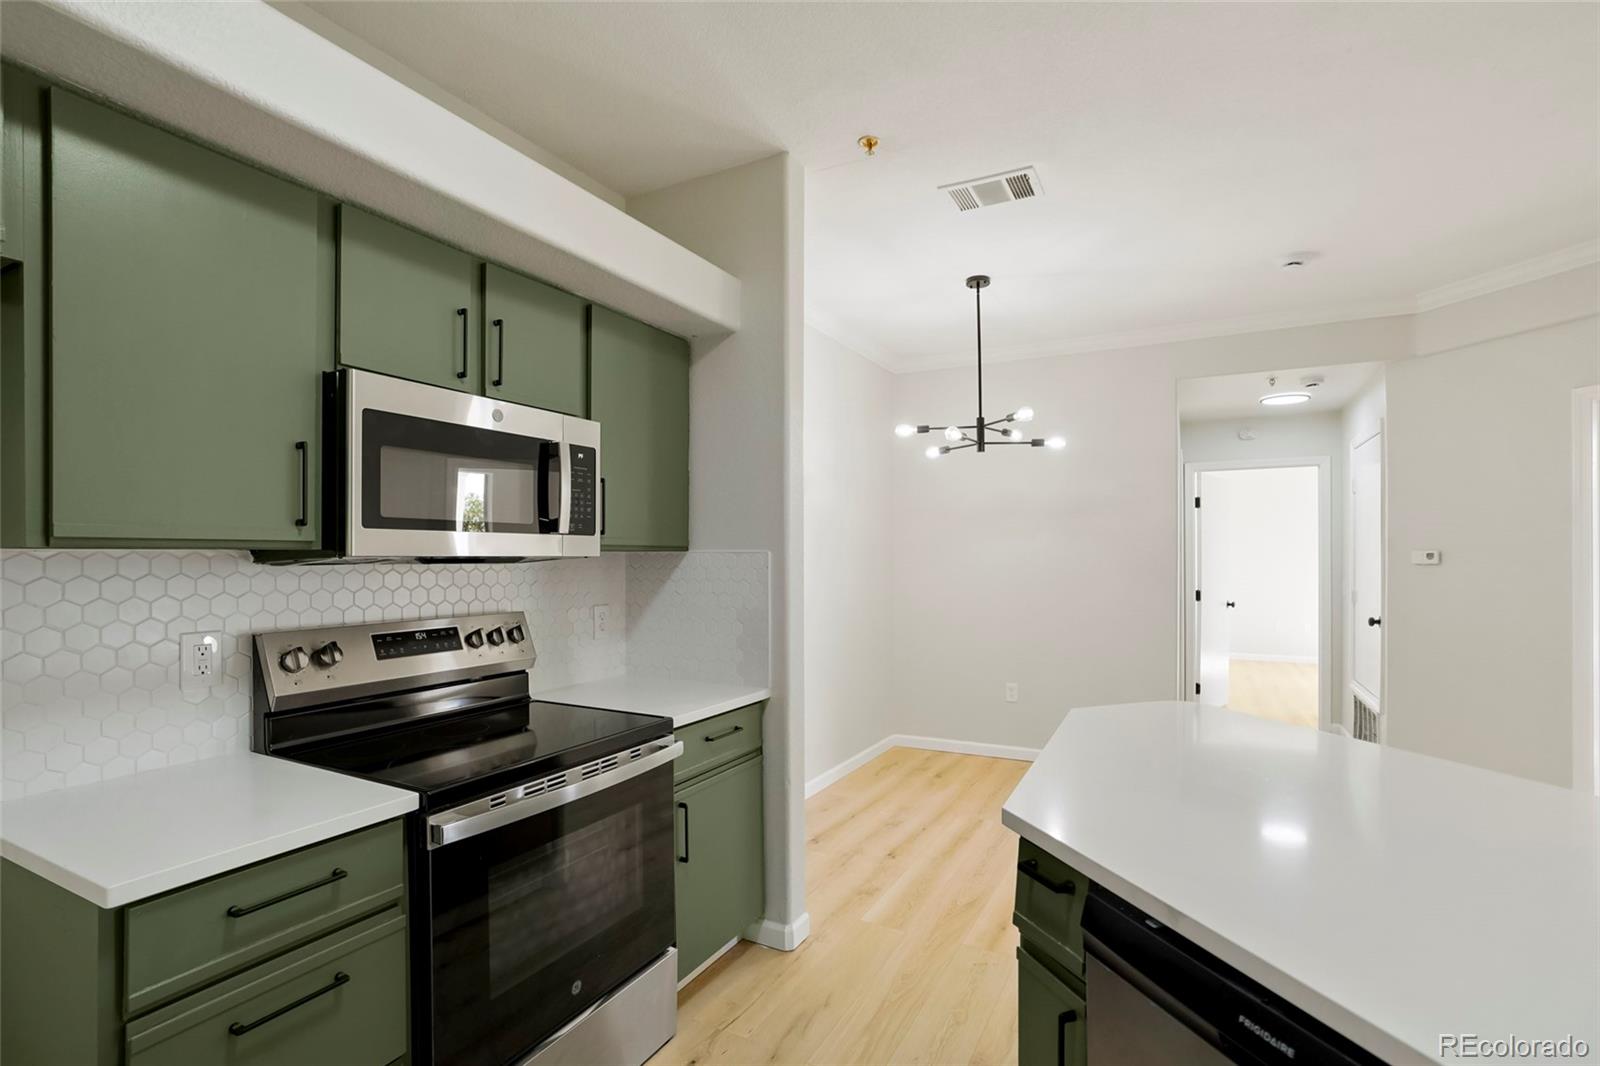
535,343
184,359
407,304
719,869
639,393
1050,1017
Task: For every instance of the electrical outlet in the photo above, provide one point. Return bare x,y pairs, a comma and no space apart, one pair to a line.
201,659
602,620
1011,692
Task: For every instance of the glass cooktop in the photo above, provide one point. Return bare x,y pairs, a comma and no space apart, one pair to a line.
482,753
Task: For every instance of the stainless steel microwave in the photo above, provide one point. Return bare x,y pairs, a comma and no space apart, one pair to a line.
421,472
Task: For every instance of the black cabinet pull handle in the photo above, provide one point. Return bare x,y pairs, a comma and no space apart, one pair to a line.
462,373
237,911
305,479
602,507
1029,868
685,808
713,737
1230,603
500,371
241,1028
1064,1019
1374,621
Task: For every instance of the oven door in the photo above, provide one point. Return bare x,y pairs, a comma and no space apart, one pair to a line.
542,906
438,473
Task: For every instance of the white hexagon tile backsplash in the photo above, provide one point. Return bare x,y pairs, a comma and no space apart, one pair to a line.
89,684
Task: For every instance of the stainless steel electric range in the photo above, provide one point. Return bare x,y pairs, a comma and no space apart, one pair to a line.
540,886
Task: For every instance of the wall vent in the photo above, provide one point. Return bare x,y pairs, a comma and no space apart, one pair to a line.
994,189
1365,724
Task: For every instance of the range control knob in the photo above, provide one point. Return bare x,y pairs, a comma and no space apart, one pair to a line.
328,655
294,660
496,637
515,634
475,639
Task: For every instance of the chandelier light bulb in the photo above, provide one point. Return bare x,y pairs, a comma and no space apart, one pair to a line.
1056,442
904,429
952,434
1013,434
1024,414
934,451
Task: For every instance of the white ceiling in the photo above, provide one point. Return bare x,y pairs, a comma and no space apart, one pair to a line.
1183,148
1239,395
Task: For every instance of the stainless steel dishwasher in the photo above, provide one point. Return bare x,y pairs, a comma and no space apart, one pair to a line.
1156,998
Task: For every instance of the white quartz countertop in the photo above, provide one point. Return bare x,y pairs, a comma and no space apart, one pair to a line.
120,841
1395,897
685,702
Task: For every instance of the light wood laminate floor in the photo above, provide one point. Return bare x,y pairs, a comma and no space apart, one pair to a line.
1284,692
912,954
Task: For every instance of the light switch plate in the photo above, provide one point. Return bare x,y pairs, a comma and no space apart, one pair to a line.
602,620
1011,692
200,657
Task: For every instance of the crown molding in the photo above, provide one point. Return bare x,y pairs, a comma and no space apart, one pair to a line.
1509,277
835,331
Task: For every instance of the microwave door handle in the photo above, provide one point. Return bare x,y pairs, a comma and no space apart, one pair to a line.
477,817
563,466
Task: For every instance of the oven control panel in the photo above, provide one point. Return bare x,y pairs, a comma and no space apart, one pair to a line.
297,667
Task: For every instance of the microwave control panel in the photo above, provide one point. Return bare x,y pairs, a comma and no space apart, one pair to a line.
583,475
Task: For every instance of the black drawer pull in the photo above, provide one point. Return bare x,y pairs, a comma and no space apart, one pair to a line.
462,373
500,372
684,807
241,1028
1029,868
713,737
237,911
1064,1019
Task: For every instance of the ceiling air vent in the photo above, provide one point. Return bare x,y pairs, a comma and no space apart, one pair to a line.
994,189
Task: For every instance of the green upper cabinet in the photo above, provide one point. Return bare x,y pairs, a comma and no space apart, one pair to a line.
407,304
185,354
535,347
639,393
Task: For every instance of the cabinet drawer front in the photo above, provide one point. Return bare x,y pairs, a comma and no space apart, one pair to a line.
1051,1022
717,741
342,999
196,934
1049,905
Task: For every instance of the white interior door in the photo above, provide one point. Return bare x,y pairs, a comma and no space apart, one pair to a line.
1366,585
1212,618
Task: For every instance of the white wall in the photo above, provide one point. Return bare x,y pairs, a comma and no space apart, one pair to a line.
1267,531
1059,570
849,552
746,406
1478,649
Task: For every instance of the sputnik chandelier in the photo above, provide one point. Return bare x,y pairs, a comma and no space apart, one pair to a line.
982,434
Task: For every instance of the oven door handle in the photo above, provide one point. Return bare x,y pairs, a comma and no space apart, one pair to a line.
476,817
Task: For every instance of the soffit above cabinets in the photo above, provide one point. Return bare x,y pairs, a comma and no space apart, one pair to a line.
218,73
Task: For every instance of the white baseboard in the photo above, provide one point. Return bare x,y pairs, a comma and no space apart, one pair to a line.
903,740
771,934
1310,660
715,955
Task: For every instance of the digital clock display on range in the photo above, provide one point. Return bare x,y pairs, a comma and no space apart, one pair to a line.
416,642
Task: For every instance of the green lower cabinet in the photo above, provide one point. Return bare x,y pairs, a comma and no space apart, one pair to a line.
184,351
1051,1017
408,304
535,343
340,1001
719,851
639,393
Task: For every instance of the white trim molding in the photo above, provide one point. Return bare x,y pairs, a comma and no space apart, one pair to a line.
904,740
778,935
1586,590
1509,277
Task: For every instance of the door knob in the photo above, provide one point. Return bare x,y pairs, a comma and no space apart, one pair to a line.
1230,603
1374,621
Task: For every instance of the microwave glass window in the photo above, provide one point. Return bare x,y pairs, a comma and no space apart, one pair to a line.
427,475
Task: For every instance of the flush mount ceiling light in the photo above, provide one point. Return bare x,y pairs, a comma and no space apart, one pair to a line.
1274,398
982,434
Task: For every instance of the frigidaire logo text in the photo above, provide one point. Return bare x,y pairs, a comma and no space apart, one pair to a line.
1277,1044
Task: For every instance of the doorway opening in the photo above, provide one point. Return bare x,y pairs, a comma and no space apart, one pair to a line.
1258,549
